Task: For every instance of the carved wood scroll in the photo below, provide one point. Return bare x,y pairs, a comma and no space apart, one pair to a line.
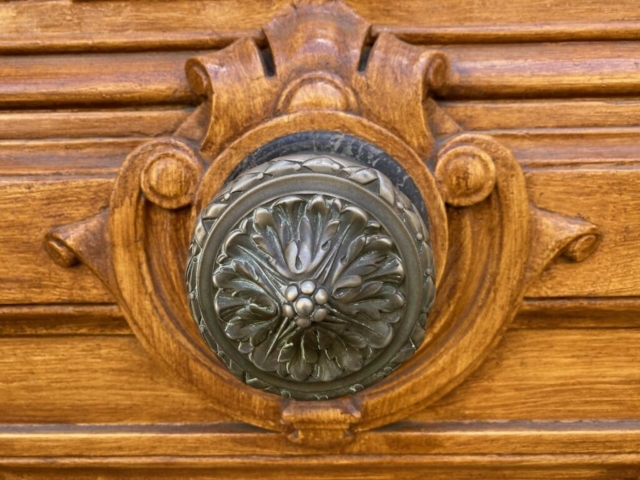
323,86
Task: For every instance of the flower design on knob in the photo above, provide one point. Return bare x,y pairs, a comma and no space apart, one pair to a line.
310,287
306,303
311,276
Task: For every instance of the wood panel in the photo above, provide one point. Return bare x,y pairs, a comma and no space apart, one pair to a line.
549,113
82,83
94,79
62,25
551,375
81,379
112,123
533,375
570,69
71,157
478,72
29,210
609,198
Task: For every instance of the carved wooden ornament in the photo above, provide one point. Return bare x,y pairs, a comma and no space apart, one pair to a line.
323,98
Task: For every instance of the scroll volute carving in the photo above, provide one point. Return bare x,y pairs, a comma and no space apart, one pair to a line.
321,84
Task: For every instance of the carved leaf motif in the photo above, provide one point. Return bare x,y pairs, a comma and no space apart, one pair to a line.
309,287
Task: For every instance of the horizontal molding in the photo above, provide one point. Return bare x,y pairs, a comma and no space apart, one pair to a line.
114,123
515,71
107,319
548,118
69,319
599,148
318,465
205,39
98,141
424,438
591,313
573,69
550,113
42,159
517,33
94,79
65,26
124,42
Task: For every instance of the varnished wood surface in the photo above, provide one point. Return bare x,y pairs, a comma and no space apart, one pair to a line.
82,83
27,274
534,375
62,319
478,72
64,25
508,467
607,196
229,440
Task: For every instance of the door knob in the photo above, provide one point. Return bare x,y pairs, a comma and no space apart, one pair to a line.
311,275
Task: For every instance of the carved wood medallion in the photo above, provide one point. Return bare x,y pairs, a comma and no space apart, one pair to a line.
290,112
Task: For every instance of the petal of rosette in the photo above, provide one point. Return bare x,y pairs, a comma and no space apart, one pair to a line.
326,369
304,358
243,303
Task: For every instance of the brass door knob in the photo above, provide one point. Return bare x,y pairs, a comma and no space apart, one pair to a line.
311,275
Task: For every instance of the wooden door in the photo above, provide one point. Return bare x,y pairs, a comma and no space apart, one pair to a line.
319,239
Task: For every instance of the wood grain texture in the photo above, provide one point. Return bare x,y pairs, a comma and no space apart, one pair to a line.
68,157
609,197
114,123
62,25
30,210
94,79
565,147
534,375
61,319
100,379
478,72
437,467
527,115
551,375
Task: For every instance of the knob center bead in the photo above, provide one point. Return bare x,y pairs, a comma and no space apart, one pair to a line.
311,276
304,303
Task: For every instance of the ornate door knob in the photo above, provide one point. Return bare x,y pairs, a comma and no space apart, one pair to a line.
311,275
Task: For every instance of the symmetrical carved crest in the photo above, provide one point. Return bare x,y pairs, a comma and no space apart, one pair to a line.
320,78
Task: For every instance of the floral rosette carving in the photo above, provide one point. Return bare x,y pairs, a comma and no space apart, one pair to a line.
298,276
309,287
